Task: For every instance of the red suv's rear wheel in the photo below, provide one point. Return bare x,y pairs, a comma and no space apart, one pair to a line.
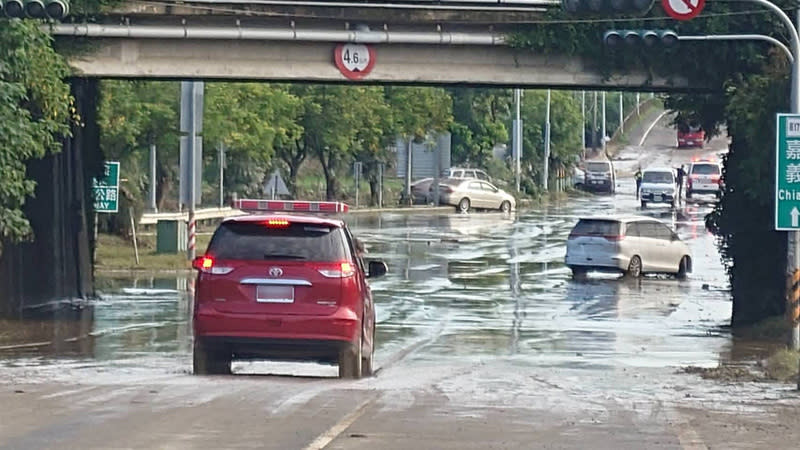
208,360
350,360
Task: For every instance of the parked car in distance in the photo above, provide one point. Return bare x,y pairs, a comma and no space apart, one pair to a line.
658,186
600,176
704,177
284,286
632,245
578,178
421,189
471,193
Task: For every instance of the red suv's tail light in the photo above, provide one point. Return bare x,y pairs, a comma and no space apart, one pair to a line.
206,264
338,270
615,238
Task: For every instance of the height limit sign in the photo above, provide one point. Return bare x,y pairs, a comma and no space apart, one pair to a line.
787,173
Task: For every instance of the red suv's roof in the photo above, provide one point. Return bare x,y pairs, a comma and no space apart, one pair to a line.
290,217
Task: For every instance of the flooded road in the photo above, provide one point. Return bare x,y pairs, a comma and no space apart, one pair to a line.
484,340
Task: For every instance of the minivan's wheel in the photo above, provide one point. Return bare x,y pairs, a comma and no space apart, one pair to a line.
683,268
644,204
505,206
350,360
635,267
207,360
688,193
579,273
463,205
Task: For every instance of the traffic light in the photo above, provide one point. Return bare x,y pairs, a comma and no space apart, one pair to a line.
639,38
36,9
607,7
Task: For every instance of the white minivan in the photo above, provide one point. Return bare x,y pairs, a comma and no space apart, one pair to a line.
658,186
632,245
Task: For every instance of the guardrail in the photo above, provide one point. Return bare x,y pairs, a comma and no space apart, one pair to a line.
200,214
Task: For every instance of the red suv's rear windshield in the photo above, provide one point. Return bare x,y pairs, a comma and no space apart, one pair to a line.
299,241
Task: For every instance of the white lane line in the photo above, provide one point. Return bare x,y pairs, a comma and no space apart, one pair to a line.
652,125
333,432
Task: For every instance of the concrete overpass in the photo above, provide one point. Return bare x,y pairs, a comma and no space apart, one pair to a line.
277,40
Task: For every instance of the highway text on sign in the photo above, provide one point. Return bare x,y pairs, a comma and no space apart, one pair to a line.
354,61
105,190
683,9
787,172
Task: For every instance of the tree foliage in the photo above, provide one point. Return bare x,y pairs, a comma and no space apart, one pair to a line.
35,111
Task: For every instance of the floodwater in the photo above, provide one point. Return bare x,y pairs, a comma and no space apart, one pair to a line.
460,287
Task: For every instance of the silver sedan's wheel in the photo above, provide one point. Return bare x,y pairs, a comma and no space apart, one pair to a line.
505,206
463,205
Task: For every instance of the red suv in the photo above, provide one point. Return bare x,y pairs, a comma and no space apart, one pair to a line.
284,286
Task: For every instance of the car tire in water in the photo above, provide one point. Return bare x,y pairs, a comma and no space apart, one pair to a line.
505,206
207,360
634,267
644,204
688,194
463,205
579,273
350,360
683,268
366,360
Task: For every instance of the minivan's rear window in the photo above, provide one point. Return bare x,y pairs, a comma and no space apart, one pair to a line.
299,241
705,169
597,227
657,177
597,167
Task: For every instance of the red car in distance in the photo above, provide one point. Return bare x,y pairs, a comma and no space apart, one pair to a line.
690,136
284,285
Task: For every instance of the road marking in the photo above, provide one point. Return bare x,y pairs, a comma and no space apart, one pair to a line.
687,436
652,125
333,432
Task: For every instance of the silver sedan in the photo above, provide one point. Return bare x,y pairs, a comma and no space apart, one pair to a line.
466,194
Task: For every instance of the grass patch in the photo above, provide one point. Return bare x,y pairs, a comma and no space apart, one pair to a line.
116,253
782,365
725,373
773,329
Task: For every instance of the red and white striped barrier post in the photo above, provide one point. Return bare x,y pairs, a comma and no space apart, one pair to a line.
191,253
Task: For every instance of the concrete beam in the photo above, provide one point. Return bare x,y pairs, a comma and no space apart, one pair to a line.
313,61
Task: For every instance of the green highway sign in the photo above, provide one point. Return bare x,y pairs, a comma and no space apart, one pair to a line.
105,190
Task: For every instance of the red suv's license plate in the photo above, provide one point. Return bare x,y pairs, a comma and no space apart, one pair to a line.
274,294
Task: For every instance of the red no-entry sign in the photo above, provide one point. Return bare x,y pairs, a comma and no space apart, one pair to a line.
683,9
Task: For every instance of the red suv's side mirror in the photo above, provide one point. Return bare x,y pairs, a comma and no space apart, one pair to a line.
377,269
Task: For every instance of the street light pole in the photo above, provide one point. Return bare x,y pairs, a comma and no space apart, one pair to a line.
546,142
583,123
603,137
517,142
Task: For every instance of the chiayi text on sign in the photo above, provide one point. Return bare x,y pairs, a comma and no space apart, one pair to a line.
787,172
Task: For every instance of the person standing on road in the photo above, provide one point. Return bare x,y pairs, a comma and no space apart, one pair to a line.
681,174
638,177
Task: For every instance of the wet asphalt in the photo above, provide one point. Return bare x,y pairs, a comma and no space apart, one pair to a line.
484,341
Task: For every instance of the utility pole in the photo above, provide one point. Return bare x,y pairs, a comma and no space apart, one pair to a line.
153,183
583,123
621,115
516,144
594,125
603,144
546,142
637,104
221,154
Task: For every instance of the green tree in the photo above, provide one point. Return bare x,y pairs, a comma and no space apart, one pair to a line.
480,118
252,120
565,134
35,110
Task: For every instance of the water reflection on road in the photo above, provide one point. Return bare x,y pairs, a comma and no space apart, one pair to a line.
471,286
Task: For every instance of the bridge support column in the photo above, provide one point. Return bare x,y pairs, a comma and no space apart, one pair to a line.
57,264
